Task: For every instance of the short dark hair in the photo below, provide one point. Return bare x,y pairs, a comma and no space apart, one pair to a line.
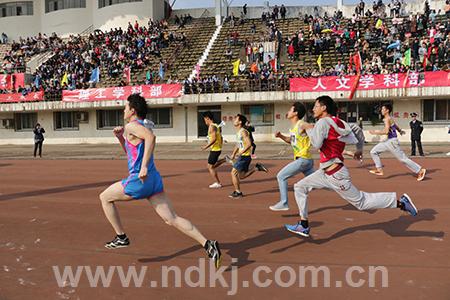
329,103
300,109
388,106
138,103
208,114
242,118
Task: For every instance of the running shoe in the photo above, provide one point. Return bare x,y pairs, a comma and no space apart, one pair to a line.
117,242
215,185
298,229
236,195
421,174
261,167
213,251
408,205
376,172
279,207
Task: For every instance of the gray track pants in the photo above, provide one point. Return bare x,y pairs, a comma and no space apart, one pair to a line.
393,146
341,183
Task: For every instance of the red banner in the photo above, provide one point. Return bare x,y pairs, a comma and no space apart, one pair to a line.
370,82
6,81
31,97
122,93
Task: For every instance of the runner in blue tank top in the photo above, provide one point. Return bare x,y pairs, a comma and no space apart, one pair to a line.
144,181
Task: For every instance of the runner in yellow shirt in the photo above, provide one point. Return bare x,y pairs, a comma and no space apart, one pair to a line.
215,142
301,146
243,153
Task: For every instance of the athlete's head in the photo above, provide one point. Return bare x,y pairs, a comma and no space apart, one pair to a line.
324,106
208,117
136,106
239,120
386,109
297,110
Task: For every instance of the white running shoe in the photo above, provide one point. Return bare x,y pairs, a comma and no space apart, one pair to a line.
279,207
215,185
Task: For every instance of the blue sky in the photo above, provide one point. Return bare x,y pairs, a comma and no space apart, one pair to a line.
210,3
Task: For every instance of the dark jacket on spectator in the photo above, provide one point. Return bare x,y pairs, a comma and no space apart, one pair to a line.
416,129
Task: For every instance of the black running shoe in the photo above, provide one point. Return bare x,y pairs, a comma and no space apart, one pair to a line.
261,167
118,243
236,195
213,251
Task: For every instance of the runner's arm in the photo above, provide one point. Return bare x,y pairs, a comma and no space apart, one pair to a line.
317,133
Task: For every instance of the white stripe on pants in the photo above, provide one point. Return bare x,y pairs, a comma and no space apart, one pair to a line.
341,183
393,146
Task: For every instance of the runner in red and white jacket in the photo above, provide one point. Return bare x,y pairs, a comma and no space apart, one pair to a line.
330,135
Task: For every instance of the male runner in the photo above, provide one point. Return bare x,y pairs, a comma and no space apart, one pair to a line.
144,181
243,153
392,145
325,135
303,162
215,142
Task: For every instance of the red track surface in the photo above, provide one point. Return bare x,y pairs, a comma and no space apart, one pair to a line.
50,215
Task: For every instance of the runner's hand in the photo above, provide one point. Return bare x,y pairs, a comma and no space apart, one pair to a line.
143,174
118,131
277,134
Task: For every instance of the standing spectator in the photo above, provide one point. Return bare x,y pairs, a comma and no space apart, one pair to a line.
4,38
283,11
416,130
244,9
275,12
38,138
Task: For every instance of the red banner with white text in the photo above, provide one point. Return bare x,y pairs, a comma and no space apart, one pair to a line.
122,93
8,80
31,97
370,82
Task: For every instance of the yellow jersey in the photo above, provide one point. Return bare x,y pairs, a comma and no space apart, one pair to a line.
300,142
240,142
217,146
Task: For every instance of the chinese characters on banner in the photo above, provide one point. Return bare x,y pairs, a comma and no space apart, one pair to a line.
7,81
370,82
8,98
122,93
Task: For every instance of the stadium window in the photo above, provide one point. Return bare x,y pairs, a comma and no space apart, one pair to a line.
162,117
436,110
54,5
105,3
25,121
259,115
65,120
12,9
108,119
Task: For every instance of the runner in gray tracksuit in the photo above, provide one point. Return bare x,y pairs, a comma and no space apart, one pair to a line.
392,145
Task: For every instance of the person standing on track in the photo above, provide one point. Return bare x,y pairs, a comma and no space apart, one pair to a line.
326,135
144,181
215,142
38,139
301,145
392,145
243,153
416,132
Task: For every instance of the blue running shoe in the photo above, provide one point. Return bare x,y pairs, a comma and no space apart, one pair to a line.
408,205
298,229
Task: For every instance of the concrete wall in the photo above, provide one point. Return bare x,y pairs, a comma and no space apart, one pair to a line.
295,11
88,132
75,20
